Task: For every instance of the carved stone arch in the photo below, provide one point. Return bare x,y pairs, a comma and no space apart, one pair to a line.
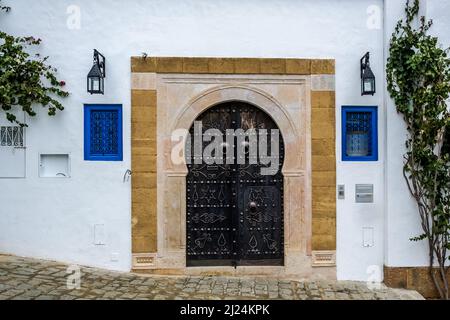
253,96
299,94
297,178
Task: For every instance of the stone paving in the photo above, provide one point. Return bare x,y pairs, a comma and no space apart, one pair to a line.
24,279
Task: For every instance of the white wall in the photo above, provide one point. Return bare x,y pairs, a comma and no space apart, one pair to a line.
54,218
402,220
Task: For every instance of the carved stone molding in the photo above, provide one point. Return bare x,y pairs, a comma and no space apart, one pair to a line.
299,96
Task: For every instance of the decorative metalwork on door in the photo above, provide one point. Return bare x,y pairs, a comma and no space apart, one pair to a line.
234,210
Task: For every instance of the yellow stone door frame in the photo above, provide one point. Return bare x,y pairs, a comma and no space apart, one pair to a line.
144,124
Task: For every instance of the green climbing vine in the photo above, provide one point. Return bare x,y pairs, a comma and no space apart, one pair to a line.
418,78
26,80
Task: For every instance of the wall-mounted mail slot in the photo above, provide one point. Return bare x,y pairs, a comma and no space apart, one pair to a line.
364,193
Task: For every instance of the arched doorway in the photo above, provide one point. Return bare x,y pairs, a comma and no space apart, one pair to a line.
235,213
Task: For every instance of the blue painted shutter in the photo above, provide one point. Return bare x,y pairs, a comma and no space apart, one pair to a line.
103,133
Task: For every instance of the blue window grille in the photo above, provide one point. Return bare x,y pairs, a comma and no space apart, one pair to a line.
359,133
103,133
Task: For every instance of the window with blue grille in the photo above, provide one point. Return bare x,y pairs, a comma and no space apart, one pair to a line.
103,133
359,133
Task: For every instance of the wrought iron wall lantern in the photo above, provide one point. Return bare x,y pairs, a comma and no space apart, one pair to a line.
367,77
97,75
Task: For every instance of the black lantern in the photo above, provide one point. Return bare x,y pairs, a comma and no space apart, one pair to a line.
97,75
367,76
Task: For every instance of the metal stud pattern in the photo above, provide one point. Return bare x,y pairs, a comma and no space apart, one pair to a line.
234,214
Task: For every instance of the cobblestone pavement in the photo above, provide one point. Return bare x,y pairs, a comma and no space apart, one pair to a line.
24,279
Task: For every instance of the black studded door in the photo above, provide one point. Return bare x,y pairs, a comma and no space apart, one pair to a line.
234,204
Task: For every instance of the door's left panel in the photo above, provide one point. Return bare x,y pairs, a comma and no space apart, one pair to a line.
12,148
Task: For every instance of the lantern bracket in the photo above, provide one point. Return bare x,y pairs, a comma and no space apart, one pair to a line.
100,61
365,63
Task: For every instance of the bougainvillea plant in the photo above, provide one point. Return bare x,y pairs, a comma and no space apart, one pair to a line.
26,80
418,78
